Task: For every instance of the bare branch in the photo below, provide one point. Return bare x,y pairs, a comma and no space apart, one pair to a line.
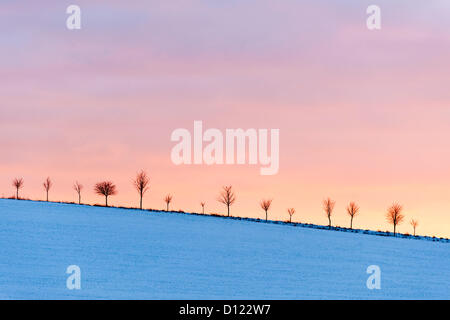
47,185
168,200
203,207
414,224
394,215
352,210
328,206
18,184
265,205
291,212
78,187
141,184
227,197
105,188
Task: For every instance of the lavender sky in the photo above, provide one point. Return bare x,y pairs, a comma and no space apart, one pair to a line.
363,115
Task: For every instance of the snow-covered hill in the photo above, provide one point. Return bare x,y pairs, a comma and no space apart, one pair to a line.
147,255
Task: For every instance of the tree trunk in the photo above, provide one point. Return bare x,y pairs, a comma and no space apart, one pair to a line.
17,194
394,230
79,198
266,215
329,222
106,200
290,219
141,203
351,223
167,207
228,207
47,196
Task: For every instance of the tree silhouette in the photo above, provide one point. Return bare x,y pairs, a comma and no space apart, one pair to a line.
291,212
168,200
141,184
227,197
18,184
352,210
78,187
414,224
105,188
265,205
394,215
47,185
328,206
203,207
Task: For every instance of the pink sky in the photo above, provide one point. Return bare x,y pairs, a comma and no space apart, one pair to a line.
363,115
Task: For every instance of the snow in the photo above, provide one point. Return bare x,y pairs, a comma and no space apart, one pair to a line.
132,254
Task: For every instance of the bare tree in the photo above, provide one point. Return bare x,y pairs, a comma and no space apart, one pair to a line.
203,207
291,212
168,200
414,224
265,205
227,197
394,215
78,187
105,188
328,206
18,184
352,210
141,184
47,185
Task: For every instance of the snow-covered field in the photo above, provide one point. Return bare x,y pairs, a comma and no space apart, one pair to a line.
130,254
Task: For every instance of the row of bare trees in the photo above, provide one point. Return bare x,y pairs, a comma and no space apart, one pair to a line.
141,183
394,214
19,183
328,207
227,196
104,188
